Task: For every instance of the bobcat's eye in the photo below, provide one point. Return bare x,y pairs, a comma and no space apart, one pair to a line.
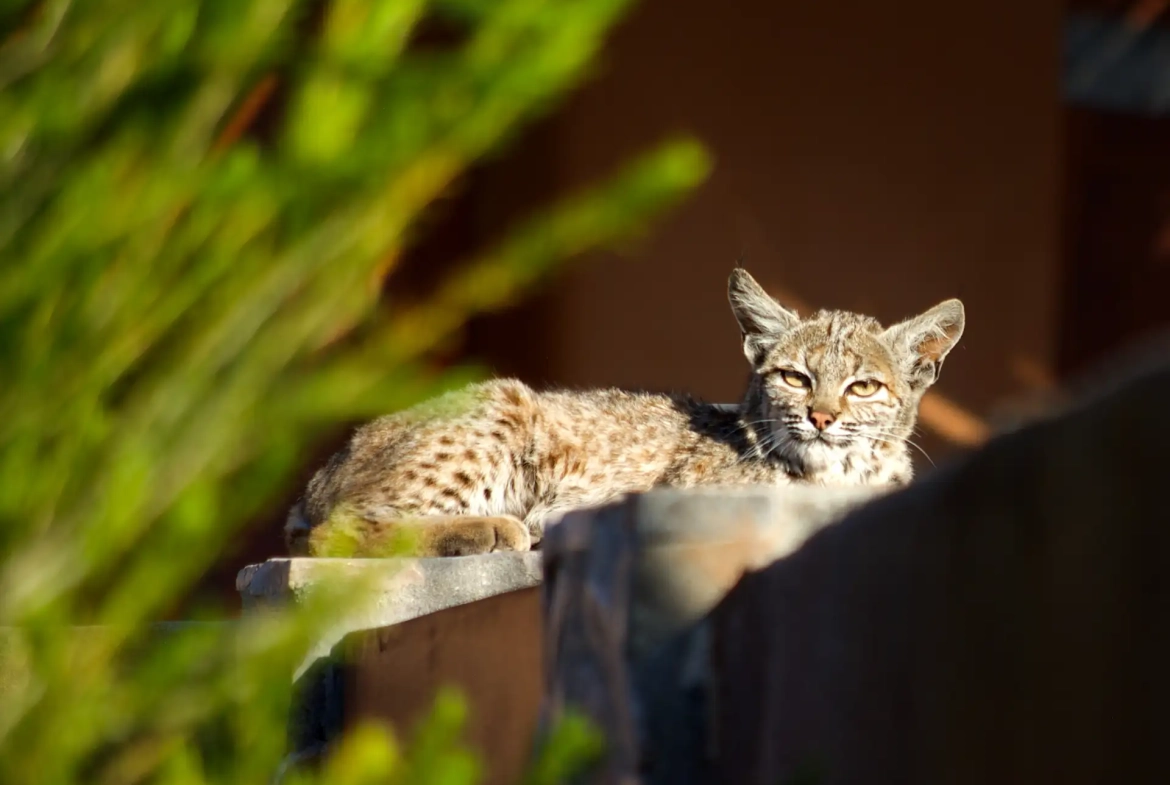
794,379
865,388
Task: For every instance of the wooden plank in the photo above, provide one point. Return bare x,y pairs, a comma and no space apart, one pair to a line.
626,585
490,650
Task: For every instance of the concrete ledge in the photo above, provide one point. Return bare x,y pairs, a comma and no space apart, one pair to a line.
403,589
395,591
683,550
408,588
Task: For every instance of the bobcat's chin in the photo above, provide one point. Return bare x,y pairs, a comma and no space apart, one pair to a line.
809,438
816,450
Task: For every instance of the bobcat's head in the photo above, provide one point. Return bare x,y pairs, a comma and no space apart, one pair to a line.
836,394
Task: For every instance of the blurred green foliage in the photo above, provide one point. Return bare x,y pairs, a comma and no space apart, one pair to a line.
187,301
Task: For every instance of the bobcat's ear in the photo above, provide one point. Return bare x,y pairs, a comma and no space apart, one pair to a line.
925,340
761,319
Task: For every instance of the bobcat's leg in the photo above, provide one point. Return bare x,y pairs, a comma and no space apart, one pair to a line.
349,535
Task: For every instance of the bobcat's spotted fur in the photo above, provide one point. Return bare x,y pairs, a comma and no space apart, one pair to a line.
831,400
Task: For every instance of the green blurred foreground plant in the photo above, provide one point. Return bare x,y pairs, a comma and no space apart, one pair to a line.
172,292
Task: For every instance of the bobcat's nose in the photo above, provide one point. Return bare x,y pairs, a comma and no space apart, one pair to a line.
821,420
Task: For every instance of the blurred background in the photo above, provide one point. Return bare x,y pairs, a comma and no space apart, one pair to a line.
231,231
873,157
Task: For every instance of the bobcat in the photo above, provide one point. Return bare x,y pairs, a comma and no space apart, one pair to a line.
831,399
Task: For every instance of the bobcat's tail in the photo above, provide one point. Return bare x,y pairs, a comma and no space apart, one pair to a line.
296,530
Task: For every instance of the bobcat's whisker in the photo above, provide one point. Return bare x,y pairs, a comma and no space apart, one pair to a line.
769,421
896,439
770,443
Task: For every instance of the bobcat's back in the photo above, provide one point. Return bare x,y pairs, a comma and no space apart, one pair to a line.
503,449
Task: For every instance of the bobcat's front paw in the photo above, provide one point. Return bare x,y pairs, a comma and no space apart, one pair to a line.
511,534
472,536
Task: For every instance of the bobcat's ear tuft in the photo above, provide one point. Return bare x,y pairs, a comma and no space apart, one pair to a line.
927,339
761,319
